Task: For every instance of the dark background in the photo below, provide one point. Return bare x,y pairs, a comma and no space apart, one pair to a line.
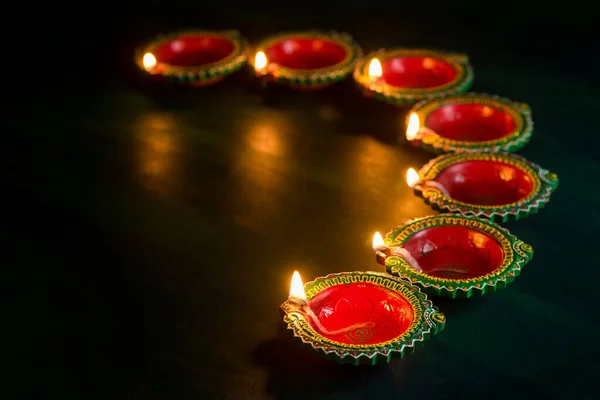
126,282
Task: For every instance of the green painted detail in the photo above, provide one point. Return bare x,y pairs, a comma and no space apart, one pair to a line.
544,183
516,255
427,321
520,113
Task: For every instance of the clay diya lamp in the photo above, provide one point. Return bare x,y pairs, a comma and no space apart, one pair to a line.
360,317
405,76
195,58
498,186
453,256
469,121
306,60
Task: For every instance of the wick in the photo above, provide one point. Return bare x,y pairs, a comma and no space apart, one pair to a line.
400,252
425,130
433,184
308,313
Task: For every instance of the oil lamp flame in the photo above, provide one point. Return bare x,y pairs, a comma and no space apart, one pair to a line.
260,60
297,288
413,126
375,70
149,61
377,240
412,177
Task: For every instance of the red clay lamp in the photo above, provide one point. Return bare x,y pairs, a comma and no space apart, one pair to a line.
469,122
360,317
194,58
405,76
452,256
307,60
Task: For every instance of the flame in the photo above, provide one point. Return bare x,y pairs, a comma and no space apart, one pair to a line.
377,240
260,60
413,126
375,69
412,177
297,288
149,61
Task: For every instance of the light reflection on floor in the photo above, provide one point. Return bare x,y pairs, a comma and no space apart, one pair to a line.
260,170
157,152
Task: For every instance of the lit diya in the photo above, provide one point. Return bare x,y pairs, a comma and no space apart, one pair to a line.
469,121
196,58
306,60
405,76
498,186
360,317
453,256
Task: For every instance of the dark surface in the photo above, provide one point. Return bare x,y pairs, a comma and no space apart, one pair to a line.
152,233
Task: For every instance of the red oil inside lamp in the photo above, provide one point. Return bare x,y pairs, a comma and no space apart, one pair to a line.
470,122
417,72
193,50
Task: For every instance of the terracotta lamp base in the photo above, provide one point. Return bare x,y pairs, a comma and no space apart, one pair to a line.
307,60
405,76
471,121
454,256
194,58
362,317
498,186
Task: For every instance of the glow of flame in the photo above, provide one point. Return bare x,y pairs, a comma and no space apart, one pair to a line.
297,288
413,126
149,61
377,240
412,177
260,60
375,70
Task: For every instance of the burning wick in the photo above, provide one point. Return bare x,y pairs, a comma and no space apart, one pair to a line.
413,181
149,61
384,251
375,69
414,130
298,298
260,61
